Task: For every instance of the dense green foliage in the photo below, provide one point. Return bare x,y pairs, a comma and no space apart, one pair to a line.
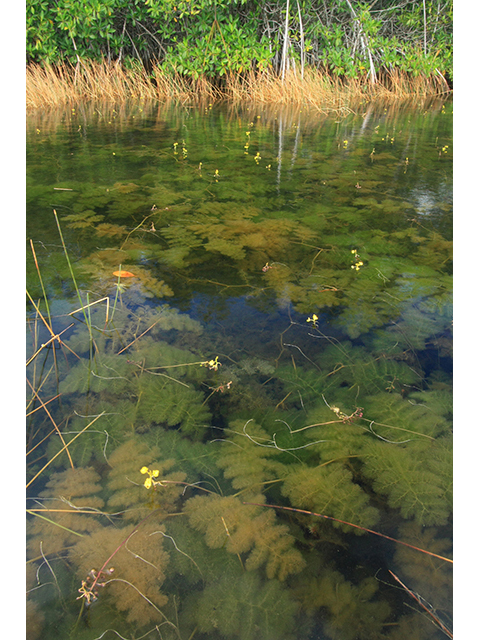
213,37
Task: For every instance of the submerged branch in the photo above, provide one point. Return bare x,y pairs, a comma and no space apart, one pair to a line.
350,524
440,624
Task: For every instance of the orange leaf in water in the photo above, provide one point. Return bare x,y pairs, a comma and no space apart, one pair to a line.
123,274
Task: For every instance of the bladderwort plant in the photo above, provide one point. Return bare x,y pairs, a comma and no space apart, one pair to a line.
99,578
358,263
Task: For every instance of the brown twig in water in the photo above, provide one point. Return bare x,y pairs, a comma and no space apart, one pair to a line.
138,337
434,617
350,524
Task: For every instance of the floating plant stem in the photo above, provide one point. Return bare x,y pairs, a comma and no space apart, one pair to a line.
138,337
117,291
29,413
48,326
350,524
90,304
42,346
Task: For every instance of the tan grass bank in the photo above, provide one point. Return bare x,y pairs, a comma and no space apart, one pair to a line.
52,86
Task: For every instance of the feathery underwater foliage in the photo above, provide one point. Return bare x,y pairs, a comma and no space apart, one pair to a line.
298,363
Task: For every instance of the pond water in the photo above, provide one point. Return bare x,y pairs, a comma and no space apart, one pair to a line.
231,307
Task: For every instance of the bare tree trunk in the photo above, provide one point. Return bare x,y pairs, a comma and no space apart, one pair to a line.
364,41
285,43
424,28
77,66
121,48
302,42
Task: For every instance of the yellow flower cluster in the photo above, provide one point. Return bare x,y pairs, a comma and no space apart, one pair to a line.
211,364
358,262
149,482
313,319
247,144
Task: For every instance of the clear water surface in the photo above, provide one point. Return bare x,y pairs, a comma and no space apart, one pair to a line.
280,334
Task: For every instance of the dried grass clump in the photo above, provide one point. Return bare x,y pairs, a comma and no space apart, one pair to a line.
324,92
51,86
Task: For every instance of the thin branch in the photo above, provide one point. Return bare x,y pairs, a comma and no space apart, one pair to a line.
440,624
350,524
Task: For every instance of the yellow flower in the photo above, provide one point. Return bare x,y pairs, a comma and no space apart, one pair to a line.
214,364
151,474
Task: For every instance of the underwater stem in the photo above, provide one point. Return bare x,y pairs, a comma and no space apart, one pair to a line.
437,621
350,524
124,542
32,512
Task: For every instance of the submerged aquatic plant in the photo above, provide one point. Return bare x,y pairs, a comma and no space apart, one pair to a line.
225,521
239,514
133,582
245,608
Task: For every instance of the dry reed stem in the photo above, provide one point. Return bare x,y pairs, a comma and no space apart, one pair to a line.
53,422
52,86
38,409
63,449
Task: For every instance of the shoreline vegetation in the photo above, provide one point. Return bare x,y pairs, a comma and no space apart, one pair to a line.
50,86
328,56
